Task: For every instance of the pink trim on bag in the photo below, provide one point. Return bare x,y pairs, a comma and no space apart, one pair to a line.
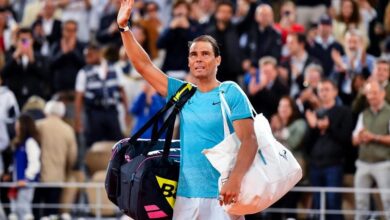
149,208
157,214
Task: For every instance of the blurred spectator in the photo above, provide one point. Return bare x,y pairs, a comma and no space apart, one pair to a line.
330,130
367,12
58,154
108,32
349,18
33,10
5,36
227,35
34,107
206,9
372,136
9,112
174,39
11,14
324,44
262,38
381,73
77,11
308,97
293,68
26,166
287,23
355,62
147,104
289,128
378,29
66,58
46,28
153,26
266,89
24,73
98,92
309,11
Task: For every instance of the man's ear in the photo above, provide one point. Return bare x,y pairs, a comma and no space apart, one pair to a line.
218,59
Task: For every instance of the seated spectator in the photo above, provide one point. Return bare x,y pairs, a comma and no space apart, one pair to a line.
372,136
324,43
381,73
147,104
27,165
265,89
108,32
355,62
349,18
24,73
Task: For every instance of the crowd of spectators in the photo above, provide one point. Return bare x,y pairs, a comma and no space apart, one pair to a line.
318,70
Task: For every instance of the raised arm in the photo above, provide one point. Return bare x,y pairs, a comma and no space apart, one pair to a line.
137,55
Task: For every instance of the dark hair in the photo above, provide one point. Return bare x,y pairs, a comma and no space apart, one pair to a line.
355,16
209,39
24,30
146,44
27,129
225,2
181,2
330,82
295,114
382,61
111,53
70,22
301,38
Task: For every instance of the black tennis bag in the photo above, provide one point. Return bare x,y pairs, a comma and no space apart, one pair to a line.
142,174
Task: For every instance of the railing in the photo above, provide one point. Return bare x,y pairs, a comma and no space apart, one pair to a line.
99,187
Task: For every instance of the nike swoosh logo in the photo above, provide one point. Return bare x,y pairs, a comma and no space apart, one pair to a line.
215,103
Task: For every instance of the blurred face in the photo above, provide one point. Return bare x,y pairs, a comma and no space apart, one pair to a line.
48,9
180,11
292,44
269,70
224,13
325,30
374,94
288,12
202,61
312,78
381,72
353,42
346,9
139,34
151,10
92,56
326,92
284,109
69,30
25,40
264,15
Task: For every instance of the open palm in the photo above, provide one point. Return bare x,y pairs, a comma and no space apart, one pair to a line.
124,12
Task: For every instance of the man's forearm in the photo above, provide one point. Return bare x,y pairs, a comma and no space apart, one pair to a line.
245,157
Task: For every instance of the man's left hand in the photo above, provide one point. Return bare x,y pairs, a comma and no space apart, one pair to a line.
230,191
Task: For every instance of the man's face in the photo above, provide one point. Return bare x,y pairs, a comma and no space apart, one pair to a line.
381,72
352,42
92,56
202,61
374,94
325,30
264,15
25,40
326,92
180,11
269,70
292,44
69,30
49,8
224,13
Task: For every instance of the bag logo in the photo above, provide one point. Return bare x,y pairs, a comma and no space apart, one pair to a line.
154,211
283,154
169,189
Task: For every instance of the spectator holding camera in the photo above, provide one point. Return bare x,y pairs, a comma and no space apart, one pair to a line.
288,22
330,129
24,72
